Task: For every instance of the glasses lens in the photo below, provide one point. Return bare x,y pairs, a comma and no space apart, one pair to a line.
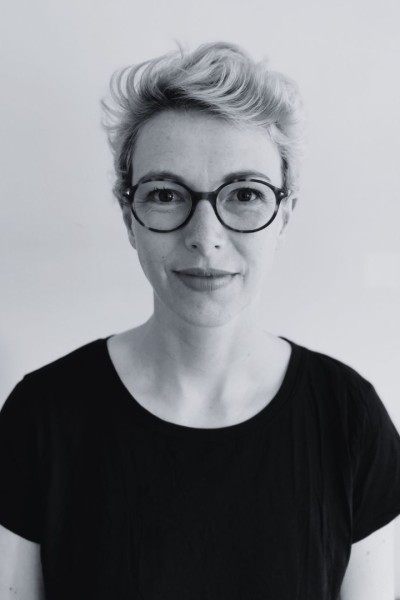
246,205
162,205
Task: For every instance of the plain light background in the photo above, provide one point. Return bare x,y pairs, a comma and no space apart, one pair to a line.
68,274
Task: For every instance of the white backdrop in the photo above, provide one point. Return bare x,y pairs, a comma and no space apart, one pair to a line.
68,274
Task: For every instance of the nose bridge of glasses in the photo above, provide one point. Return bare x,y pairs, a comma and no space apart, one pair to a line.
204,223
197,196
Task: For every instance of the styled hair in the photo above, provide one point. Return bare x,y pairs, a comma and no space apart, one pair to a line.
218,79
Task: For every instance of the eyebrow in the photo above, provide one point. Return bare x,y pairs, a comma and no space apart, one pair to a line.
180,179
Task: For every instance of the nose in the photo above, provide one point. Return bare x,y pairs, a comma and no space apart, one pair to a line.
204,232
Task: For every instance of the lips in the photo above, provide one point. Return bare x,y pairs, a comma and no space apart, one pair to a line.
199,272
205,280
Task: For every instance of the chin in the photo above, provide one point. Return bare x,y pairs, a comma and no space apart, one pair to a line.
204,311
207,315
207,320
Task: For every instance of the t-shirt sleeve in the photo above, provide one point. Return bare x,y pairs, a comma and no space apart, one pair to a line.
20,498
376,490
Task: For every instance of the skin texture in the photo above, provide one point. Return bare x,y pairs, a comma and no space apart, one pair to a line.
213,363
20,568
203,149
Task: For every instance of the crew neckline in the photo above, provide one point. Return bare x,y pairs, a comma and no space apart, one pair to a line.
290,383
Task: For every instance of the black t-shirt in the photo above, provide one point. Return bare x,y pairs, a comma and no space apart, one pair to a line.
127,505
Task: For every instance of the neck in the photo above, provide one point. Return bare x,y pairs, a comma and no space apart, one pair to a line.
207,362
201,376
198,349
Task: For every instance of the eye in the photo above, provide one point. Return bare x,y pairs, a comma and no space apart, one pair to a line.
165,196
247,194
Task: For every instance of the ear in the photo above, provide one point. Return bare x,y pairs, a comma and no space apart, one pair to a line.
128,220
286,209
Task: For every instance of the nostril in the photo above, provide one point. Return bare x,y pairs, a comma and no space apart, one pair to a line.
196,245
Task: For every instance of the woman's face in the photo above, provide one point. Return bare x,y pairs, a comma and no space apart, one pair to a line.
203,150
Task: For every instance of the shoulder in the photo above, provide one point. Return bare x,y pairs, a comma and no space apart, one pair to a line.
330,372
78,364
353,417
338,389
60,384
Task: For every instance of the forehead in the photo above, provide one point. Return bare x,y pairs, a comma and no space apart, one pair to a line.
203,149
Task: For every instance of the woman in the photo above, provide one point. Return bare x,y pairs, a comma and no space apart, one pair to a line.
198,456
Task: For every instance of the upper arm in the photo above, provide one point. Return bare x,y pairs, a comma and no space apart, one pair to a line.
370,573
20,568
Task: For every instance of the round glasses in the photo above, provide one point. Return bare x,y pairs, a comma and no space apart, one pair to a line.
243,205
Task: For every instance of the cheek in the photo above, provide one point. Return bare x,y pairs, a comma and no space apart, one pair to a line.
260,252
152,254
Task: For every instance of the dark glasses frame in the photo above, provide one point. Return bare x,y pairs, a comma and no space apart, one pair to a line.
280,194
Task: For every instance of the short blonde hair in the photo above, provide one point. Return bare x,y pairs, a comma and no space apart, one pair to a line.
219,79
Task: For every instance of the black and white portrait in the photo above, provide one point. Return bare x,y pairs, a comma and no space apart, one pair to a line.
200,301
